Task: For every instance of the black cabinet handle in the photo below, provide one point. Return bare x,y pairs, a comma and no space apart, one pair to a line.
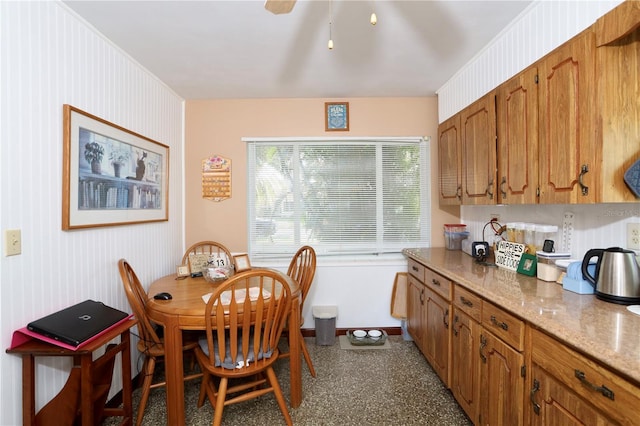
534,390
605,391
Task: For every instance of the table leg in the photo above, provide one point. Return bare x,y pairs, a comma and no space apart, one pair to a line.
174,371
86,388
295,364
28,390
125,358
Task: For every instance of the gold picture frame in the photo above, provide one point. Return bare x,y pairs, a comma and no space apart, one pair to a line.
110,175
336,116
242,262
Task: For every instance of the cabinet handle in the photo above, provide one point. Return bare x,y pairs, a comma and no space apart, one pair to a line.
483,343
534,390
456,319
602,389
502,183
466,302
490,189
459,192
445,318
435,282
502,325
584,170
415,268
422,297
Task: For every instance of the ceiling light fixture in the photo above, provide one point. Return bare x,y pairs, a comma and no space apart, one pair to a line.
330,44
374,18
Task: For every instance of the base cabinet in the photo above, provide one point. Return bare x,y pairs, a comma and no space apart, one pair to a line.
568,388
465,376
502,383
437,339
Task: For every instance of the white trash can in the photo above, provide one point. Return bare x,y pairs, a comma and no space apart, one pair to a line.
325,319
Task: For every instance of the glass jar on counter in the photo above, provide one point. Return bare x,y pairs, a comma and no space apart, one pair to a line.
544,232
519,232
529,237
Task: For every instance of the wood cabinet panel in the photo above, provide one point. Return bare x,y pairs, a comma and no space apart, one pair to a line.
468,302
478,142
416,269
438,283
449,177
586,379
569,163
437,332
504,325
415,321
465,362
502,393
517,118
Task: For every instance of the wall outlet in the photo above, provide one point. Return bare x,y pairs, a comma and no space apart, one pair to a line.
633,236
494,216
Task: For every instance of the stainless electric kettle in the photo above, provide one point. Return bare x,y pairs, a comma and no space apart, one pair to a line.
617,275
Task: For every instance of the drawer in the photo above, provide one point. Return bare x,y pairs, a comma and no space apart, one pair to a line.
468,302
504,325
596,384
417,270
438,283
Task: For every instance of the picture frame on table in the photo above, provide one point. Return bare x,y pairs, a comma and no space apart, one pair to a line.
242,262
336,116
111,175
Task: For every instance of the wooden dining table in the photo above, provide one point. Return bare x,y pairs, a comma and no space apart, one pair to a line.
185,311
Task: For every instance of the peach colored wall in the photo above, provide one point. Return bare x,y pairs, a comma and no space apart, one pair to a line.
217,127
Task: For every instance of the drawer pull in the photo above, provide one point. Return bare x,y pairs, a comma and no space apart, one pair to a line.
534,390
602,389
415,268
502,325
435,282
466,302
483,343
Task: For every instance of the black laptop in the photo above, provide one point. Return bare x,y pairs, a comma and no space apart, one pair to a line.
77,323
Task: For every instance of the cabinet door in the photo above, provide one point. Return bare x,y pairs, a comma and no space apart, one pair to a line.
555,404
501,383
478,124
569,163
415,297
437,334
449,181
517,103
465,361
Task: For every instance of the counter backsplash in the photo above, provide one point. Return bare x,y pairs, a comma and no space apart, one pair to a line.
594,225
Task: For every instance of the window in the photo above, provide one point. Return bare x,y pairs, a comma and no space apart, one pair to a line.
341,196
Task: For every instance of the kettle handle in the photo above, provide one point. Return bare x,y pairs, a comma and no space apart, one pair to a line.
585,265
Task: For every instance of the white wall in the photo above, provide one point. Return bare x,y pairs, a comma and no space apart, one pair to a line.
48,58
539,29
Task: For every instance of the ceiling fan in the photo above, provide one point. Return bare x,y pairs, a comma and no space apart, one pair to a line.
279,6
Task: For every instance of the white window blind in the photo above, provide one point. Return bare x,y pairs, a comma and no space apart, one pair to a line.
341,196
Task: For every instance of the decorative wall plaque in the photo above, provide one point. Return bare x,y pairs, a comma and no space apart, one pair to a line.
216,178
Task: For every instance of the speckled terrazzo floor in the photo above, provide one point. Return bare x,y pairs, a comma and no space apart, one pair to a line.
352,387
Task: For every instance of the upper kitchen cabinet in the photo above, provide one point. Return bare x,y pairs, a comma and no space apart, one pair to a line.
517,117
467,155
449,178
478,149
618,92
569,163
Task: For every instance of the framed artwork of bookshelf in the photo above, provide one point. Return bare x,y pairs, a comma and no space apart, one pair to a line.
111,175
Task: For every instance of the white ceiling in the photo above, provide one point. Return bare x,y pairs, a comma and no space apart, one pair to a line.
237,49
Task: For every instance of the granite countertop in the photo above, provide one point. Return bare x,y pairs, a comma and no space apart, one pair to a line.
605,331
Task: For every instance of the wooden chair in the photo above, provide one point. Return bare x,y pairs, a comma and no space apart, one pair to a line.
302,269
210,248
150,343
242,335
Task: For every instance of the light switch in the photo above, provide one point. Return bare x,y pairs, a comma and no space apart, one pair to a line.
12,242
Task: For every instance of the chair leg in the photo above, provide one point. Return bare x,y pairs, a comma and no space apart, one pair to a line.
307,357
277,392
146,388
203,387
222,395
